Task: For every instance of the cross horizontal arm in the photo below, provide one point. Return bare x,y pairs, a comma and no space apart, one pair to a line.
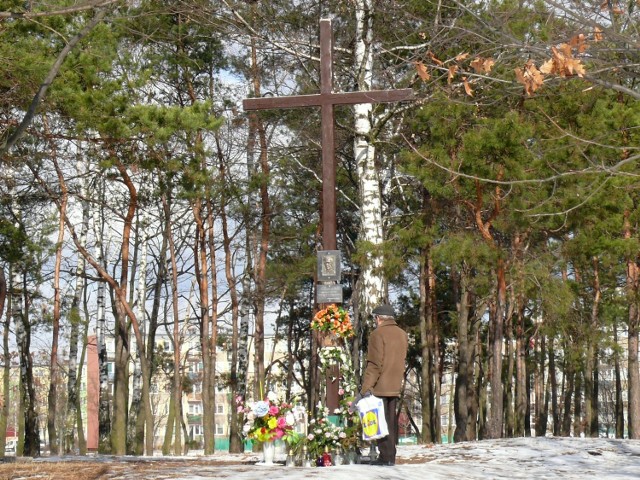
319,99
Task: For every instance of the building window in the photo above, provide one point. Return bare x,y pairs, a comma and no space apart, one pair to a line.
219,408
219,429
195,408
196,430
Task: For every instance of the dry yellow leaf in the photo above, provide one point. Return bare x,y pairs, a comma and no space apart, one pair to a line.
461,56
423,72
434,59
530,77
578,42
467,87
452,72
547,67
482,65
597,36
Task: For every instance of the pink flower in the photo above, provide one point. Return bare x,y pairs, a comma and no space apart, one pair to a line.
282,422
279,433
273,410
341,391
240,409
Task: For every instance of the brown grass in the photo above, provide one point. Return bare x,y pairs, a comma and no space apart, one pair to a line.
114,468
54,471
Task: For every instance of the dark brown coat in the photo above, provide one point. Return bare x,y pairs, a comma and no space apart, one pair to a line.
386,356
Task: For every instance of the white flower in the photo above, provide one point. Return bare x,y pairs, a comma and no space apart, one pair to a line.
246,428
260,408
272,397
290,419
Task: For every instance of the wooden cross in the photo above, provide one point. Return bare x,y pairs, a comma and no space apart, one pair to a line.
327,99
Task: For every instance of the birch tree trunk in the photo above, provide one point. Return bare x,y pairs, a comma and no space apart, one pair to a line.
104,413
619,408
372,286
31,446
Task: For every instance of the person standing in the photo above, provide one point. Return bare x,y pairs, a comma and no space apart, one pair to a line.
386,357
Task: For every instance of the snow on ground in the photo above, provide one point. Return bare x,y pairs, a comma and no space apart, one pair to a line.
519,458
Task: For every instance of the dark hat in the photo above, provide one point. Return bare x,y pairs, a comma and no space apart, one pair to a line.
385,310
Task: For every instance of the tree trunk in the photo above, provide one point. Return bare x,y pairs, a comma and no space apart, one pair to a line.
372,284
235,439
175,410
120,384
138,414
591,361
209,418
53,363
82,441
496,411
578,424
568,381
426,379
633,365
257,125
169,429
104,410
510,354
462,377
521,400
72,393
619,406
542,388
6,358
202,275
482,384
31,446
553,382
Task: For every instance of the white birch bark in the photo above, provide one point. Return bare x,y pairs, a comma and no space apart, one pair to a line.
372,282
75,318
104,417
141,293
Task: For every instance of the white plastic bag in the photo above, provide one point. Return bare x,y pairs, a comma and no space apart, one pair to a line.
374,423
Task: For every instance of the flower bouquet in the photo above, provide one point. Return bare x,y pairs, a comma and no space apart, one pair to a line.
268,420
333,319
322,433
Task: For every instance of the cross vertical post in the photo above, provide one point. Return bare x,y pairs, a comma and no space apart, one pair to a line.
329,224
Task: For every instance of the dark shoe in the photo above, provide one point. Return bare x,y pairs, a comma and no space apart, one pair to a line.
379,462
